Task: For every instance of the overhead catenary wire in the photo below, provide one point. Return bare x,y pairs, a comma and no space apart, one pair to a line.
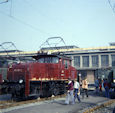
34,8
21,21
11,9
29,25
112,7
4,2
41,14
24,23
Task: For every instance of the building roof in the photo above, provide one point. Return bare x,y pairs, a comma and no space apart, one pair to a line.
112,44
60,49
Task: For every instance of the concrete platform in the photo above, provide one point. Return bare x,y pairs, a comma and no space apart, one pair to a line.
58,106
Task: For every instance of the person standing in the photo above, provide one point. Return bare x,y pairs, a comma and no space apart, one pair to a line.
77,90
100,85
84,87
114,110
97,85
106,86
70,96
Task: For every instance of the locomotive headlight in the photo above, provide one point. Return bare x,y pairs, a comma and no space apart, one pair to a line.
20,81
114,80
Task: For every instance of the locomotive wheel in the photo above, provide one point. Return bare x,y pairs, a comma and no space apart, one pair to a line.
45,94
55,91
35,91
63,89
54,88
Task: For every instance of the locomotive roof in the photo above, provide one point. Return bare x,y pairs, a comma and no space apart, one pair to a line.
52,55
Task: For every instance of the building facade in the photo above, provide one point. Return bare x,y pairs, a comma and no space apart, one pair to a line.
88,63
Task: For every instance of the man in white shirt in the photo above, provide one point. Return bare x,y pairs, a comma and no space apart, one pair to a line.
77,90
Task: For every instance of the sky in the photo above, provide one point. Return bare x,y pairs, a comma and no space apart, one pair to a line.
83,23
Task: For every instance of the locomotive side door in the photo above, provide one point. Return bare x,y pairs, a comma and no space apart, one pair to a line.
62,70
65,69
69,71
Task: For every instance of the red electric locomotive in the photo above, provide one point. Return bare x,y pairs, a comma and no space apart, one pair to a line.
44,77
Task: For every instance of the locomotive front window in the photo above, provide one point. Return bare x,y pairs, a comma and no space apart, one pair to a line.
49,60
55,60
41,60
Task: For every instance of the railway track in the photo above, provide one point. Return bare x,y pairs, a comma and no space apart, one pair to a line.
11,103
106,107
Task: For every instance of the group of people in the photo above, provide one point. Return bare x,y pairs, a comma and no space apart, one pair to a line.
99,84
74,89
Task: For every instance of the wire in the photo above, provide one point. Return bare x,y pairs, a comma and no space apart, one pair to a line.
24,23
4,2
42,14
11,9
111,6
21,21
29,25
35,9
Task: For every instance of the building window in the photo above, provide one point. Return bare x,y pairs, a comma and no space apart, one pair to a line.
85,61
77,61
113,60
95,61
104,60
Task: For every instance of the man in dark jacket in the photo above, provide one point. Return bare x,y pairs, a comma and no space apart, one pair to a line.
106,86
